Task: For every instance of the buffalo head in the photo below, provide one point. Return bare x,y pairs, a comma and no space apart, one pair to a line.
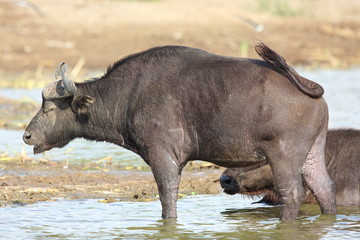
247,181
56,122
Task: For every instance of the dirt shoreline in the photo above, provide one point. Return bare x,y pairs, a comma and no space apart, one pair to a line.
31,184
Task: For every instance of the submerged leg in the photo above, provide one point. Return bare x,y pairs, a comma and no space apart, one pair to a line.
167,173
286,162
289,185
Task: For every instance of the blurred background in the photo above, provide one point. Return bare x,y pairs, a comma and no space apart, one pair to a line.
89,35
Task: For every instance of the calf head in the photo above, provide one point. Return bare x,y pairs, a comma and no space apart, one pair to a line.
251,182
62,110
230,180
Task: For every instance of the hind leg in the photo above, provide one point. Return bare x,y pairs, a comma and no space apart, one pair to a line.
317,178
286,162
289,185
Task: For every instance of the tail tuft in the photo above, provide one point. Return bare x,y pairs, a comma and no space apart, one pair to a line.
271,56
307,86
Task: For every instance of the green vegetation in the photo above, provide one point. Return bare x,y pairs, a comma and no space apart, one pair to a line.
280,8
244,49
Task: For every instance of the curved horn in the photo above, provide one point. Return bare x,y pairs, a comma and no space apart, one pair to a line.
69,86
61,88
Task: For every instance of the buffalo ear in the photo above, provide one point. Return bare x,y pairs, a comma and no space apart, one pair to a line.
82,103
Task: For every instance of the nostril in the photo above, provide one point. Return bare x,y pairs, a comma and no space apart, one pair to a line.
225,181
27,135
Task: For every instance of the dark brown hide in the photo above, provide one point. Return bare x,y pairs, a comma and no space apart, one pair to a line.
342,151
175,104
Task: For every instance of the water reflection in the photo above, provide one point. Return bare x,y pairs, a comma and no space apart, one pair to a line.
203,216
263,223
307,228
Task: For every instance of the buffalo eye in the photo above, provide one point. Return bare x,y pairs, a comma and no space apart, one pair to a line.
82,103
48,106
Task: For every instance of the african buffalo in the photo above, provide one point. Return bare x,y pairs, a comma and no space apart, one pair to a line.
174,104
342,155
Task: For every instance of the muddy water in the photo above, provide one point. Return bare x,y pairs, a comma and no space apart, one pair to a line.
203,216
206,217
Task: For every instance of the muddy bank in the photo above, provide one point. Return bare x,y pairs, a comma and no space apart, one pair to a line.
29,185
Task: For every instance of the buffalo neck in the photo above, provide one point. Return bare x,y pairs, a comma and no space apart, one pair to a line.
105,120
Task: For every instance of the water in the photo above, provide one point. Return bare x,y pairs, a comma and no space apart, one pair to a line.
16,94
204,216
207,217
342,94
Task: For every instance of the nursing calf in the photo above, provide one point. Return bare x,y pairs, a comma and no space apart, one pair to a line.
342,155
174,104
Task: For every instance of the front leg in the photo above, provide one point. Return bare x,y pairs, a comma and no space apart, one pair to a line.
167,172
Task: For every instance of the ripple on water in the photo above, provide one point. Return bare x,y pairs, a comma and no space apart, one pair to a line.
201,216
